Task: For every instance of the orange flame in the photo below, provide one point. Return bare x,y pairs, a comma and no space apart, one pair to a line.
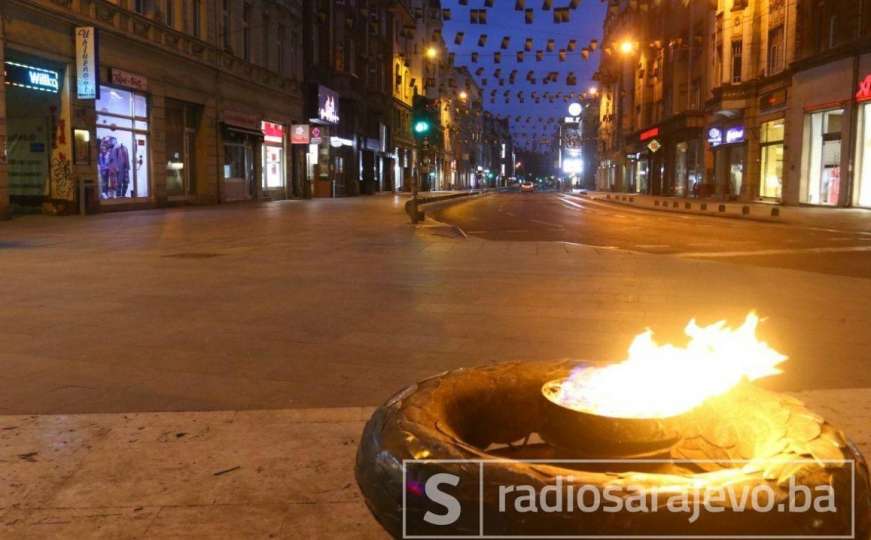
658,381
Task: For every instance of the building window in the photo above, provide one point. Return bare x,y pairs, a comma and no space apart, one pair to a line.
227,29
737,51
863,156
196,21
139,6
246,32
169,14
823,157
265,33
775,50
771,179
281,36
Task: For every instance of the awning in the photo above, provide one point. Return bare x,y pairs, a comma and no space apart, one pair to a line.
244,131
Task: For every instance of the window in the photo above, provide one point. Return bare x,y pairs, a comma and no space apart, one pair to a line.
280,46
863,156
169,13
737,50
122,142
771,180
823,157
775,50
196,20
227,29
264,30
139,6
246,32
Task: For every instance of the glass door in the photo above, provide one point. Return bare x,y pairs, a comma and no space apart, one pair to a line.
824,158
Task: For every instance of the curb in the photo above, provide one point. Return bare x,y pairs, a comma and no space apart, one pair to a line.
687,206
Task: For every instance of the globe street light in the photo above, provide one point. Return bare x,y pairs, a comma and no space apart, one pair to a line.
431,53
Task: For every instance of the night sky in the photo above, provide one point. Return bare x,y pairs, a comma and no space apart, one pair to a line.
584,25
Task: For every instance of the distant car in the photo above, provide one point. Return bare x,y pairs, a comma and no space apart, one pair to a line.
527,187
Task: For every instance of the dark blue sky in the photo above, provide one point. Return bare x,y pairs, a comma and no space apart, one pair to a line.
502,20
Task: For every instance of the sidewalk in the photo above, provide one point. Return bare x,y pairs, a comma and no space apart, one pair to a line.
844,219
248,474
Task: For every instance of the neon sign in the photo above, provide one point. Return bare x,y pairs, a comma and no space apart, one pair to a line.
649,134
32,77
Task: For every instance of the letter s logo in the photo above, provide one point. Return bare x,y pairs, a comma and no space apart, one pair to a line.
451,504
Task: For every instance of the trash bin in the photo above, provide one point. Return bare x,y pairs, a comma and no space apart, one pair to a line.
89,202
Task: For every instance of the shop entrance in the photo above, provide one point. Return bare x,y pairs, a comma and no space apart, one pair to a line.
33,104
181,125
240,149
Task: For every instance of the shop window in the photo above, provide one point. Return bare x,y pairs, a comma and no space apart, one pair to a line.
122,142
823,157
771,180
863,156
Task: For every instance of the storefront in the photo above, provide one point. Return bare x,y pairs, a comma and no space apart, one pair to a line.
274,163
181,122
123,145
37,124
822,156
771,136
728,145
862,196
688,168
242,142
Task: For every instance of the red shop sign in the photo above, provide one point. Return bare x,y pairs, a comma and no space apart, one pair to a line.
272,132
864,93
649,134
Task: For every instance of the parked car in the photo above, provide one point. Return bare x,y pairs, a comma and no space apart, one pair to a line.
527,187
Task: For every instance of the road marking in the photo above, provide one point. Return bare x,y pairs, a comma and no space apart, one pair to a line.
764,252
571,203
548,224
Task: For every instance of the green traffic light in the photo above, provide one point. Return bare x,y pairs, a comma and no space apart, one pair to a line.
421,127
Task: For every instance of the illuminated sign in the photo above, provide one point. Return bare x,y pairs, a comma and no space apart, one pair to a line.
864,93
575,109
272,132
299,134
328,105
32,77
649,134
715,136
87,65
735,135
654,146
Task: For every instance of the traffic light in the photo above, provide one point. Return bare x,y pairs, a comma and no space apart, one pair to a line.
424,117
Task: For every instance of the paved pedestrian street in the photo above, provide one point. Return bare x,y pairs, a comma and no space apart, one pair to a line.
206,372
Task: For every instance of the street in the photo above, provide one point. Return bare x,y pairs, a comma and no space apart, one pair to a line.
207,371
555,217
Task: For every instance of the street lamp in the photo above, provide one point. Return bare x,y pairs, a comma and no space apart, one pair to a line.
593,90
628,47
464,95
431,53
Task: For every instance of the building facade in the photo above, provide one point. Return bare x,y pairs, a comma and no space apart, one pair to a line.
743,100
112,105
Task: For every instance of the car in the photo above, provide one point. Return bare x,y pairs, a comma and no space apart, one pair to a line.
527,187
